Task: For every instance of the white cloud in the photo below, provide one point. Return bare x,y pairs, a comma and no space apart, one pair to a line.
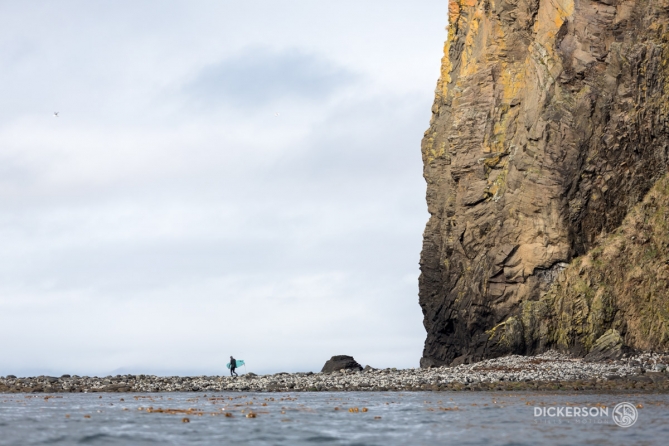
144,233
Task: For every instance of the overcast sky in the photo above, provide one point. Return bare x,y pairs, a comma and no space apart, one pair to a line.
224,178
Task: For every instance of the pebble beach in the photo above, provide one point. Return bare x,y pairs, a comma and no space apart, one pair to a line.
548,371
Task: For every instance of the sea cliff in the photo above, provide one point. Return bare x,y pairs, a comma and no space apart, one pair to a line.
546,168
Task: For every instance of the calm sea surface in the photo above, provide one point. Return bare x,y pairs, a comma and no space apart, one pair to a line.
383,418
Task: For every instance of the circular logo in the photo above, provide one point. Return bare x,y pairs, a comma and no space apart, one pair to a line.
625,414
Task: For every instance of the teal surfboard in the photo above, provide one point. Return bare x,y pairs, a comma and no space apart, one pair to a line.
239,362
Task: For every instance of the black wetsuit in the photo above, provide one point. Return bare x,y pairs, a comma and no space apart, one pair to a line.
233,366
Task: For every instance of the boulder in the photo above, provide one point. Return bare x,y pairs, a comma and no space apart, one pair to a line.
336,363
607,346
659,367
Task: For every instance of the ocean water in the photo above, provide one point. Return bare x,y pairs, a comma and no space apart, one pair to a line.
323,418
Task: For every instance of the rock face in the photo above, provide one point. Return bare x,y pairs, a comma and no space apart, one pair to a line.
336,363
550,124
617,295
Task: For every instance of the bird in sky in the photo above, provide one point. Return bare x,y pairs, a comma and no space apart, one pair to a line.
55,114
276,115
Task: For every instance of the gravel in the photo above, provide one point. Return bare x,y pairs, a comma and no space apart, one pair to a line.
548,371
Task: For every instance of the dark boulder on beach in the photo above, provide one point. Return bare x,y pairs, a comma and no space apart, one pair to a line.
608,346
336,363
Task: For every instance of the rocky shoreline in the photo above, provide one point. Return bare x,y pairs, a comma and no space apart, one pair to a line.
549,371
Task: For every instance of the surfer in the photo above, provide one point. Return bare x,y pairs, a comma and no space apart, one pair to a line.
233,366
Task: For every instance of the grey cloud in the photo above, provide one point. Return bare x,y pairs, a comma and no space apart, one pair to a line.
258,76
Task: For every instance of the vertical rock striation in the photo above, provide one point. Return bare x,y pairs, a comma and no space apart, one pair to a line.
550,124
